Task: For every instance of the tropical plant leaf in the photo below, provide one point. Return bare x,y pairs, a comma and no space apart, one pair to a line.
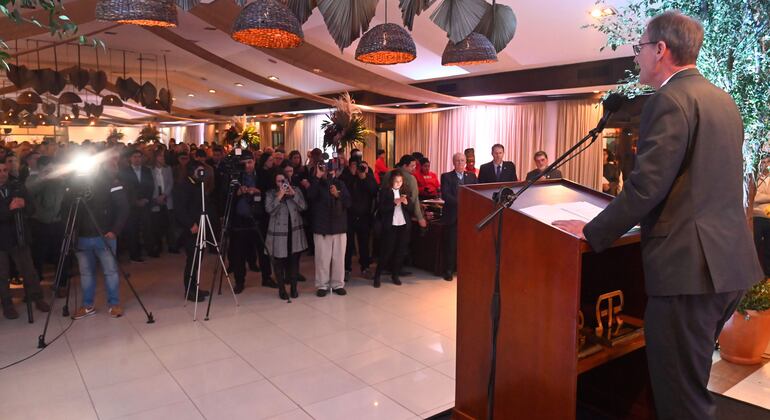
346,19
498,25
302,9
412,8
458,18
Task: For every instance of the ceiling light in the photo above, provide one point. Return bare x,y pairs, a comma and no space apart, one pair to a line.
386,44
192,95
144,13
316,70
272,77
267,24
273,127
596,91
239,84
475,49
212,91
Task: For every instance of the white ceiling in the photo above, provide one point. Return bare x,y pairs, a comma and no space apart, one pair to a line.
549,33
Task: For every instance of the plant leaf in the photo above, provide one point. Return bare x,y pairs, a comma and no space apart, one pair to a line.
498,25
302,9
412,8
346,19
458,18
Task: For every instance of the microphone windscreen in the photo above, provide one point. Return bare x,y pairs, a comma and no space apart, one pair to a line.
613,102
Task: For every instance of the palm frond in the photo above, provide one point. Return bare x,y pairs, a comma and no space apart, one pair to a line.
458,18
412,8
498,25
187,5
302,9
346,19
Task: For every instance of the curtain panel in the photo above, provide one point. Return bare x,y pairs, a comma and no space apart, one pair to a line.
574,120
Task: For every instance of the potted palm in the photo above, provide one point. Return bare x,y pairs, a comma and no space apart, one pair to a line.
344,127
746,335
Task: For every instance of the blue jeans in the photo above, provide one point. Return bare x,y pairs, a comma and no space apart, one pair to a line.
88,250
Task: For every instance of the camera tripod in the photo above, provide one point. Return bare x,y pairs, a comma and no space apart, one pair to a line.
67,247
205,231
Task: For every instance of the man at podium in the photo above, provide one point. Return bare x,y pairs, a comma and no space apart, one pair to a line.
696,246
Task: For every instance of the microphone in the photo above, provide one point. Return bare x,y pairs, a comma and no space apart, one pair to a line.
611,105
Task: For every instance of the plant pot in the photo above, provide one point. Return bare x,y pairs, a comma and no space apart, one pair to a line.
744,340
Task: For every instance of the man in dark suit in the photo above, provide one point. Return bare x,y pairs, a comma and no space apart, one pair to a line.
497,170
541,162
450,182
696,246
138,181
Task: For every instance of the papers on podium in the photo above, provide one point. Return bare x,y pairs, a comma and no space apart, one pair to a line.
577,210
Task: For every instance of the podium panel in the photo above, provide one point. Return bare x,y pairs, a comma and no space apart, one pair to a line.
547,276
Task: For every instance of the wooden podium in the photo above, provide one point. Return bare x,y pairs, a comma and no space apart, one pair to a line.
546,275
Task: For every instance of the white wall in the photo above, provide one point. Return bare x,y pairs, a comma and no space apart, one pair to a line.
78,134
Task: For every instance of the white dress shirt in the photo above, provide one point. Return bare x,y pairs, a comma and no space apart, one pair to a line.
398,214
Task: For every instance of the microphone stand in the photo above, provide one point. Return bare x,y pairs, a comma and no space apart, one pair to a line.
506,199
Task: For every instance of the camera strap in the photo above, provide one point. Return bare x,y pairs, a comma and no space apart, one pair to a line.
4,192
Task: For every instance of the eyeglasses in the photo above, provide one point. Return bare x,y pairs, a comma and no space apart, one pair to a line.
638,47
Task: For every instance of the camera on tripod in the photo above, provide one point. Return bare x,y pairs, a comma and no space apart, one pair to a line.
233,165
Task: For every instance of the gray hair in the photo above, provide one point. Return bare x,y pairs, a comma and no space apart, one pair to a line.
682,34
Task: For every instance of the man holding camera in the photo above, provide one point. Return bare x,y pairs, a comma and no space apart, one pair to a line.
359,180
330,202
12,245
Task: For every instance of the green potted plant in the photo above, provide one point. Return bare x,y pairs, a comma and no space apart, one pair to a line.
115,136
746,335
148,134
344,127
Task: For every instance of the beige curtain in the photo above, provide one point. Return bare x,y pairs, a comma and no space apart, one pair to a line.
439,135
370,149
293,139
574,120
265,135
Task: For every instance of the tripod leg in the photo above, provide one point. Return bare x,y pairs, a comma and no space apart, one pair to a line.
201,248
125,275
224,270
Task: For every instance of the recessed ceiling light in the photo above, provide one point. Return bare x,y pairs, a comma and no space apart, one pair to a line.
596,91
173,99
212,91
272,77
316,70
192,95
239,84
398,106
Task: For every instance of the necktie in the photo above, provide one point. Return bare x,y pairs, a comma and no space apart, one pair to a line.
460,179
497,172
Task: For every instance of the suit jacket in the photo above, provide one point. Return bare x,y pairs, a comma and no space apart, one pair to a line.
507,173
556,174
411,185
138,190
686,190
386,209
449,187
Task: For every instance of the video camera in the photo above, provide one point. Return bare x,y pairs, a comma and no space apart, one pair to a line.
232,164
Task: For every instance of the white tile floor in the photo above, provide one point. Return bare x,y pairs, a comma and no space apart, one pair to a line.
385,353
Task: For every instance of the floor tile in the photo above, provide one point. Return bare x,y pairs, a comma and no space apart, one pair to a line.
72,407
378,365
184,410
315,326
420,391
256,400
191,353
394,331
158,336
120,367
429,349
366,403
136,396
215,376
261,338
343,343
284,359
241,323
297,414
448,368
317,383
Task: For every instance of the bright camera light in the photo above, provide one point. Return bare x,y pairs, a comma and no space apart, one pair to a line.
83,164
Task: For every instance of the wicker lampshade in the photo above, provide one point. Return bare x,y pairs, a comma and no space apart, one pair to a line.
111,100
29,97
138,12
68,98
475,49
267,24
386,43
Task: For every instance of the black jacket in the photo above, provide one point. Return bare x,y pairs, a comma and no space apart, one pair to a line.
187,203
555,174
108,203
363,192
137,190
507,173
386,209
449,186
329,215
8,234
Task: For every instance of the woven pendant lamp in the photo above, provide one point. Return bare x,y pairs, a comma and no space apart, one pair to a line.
267,24
111,100
386,44
29,97
138,12
475,49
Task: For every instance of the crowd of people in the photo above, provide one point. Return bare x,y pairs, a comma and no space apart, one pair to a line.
147,198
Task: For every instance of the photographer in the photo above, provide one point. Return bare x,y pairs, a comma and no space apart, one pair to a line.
359,180
188,209
108,202
330,201
13,202
285,238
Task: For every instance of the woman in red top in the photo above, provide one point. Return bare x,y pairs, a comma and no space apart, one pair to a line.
427,181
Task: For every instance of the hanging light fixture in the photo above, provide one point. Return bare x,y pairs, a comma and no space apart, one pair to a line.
386,44
69,98
267,24
111,100
29,97
475,49
138,12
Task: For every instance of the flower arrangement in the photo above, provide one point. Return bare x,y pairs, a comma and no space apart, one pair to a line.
115,136
344,127
148,134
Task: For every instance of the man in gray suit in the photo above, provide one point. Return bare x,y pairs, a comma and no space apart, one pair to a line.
686,191
450,183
